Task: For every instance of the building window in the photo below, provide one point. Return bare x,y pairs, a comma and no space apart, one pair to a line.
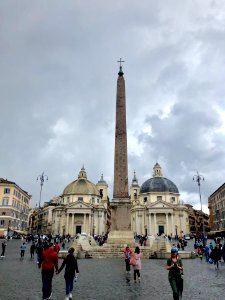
3,213
5,201
80,199
97,200
145,199
2,222
159,198
6,190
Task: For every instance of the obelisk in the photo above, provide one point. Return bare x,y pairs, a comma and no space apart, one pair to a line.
120,229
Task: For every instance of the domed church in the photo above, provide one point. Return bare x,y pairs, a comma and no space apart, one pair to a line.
156,207
82,207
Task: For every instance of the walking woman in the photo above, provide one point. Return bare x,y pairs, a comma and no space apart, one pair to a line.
174,265
71,269
137,266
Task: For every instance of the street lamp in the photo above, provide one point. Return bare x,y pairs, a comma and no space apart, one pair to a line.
42,178
198,177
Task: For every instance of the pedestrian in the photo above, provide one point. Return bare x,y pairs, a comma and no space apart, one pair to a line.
22,249
215,255
32,249
47,263
3,248
174,265
137,265
71,271
127,255
39,249
206,251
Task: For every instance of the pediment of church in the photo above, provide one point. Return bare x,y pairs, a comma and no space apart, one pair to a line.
79,204
160,204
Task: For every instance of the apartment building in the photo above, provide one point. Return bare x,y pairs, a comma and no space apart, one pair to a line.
14,208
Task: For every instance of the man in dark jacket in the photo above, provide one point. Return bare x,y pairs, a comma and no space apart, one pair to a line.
49,261
70,262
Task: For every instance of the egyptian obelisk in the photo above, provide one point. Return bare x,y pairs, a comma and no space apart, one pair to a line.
120,229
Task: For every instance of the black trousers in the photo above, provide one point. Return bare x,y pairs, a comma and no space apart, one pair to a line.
127,261
136,272
47,276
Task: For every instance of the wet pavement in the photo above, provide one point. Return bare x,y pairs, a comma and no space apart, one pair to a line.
105,279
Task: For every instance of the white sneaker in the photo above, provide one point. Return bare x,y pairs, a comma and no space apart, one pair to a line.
50,297
67,297
70,296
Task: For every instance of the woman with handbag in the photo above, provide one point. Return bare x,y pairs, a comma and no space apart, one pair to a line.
136,263
175,276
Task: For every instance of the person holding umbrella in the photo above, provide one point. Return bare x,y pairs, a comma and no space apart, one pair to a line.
175,267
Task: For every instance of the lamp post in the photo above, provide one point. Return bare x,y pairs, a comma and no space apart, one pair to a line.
42,178
198,177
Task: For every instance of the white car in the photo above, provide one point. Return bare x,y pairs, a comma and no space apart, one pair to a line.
187,237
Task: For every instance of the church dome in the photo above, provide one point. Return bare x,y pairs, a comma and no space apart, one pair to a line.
81,186
102,181
158,183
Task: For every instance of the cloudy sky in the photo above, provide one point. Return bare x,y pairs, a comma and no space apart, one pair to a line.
58,73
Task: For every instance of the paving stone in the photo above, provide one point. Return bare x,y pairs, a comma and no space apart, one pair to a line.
105,279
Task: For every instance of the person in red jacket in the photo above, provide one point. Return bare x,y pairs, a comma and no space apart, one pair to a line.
48,262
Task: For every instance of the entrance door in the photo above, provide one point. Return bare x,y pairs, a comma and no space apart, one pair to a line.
161,229
78,229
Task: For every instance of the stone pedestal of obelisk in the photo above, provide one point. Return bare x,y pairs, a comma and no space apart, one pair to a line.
120,230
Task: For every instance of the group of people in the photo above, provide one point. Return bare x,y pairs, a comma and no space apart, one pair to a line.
213,253
174,266
48,262
134,260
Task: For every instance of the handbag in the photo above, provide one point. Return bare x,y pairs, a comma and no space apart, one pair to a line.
133,261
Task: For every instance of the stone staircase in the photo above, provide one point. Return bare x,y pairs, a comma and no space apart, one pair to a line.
114,251
157,248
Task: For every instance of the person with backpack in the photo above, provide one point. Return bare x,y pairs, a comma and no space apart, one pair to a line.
71,270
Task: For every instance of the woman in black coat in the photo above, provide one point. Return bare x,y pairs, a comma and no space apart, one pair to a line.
71,269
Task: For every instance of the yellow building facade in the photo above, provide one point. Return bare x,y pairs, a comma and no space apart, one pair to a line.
14,208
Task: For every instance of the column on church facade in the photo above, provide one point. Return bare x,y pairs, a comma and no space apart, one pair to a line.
138,227
67,224
84,227
167,225
72,225
172,225
155,224
89,224
150,224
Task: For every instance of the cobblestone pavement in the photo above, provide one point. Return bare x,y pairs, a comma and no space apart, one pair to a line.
105,279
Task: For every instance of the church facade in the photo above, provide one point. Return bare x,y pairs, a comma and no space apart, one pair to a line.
156,206
82,207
